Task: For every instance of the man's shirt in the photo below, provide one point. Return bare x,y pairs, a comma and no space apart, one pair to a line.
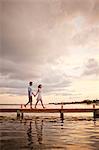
30,91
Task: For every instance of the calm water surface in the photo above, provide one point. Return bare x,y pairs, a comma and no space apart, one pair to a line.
38,133
48,132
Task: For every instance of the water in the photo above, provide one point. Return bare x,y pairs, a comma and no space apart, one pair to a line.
40,133
48,132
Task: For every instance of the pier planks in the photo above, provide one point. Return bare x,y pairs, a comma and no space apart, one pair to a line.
76,110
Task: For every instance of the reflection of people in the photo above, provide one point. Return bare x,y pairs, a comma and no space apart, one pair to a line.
29,133
39,96
39,128
30,92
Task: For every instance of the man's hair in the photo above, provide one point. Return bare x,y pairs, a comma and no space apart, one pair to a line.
30,83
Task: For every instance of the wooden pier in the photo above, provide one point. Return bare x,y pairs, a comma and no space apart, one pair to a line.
53,110
20,112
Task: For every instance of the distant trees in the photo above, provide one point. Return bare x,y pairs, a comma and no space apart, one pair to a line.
87,101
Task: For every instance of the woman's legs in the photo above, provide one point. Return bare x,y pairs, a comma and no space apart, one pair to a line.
36,102
42,103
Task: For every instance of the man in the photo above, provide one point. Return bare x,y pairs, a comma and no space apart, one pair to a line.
30,92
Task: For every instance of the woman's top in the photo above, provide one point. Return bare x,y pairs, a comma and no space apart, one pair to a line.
39,93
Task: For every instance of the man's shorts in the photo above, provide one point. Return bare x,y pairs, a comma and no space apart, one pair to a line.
30,99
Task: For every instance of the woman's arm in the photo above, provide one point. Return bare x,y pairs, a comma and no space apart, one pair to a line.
36,92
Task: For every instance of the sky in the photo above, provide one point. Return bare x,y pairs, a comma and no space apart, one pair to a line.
50,42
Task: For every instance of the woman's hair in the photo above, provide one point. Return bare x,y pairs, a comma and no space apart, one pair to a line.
40,85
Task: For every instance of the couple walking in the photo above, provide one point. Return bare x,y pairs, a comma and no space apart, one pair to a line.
38,94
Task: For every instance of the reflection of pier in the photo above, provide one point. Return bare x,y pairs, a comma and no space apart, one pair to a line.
95,111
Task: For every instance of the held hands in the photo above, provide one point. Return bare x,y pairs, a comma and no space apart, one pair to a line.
34,95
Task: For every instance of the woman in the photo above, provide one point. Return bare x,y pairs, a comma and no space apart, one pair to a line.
39,96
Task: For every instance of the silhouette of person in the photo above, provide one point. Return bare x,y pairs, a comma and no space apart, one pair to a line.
39,129
39,96
30,93
29,133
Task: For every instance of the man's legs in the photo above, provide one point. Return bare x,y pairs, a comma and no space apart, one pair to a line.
27,103
30,99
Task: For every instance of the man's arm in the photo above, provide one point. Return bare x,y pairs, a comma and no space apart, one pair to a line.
33,94
36,93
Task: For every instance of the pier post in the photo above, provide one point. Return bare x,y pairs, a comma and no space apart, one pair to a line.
62,116
22,115
61,113
22,112
94,112
18,114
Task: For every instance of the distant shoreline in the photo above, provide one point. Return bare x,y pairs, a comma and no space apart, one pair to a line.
64,103
82,102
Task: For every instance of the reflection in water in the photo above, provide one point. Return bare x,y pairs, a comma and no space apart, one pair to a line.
29,133
39,128
32,133
49,133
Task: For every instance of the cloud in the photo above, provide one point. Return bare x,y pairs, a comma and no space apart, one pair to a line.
26,30
11,92
87,38
28,27
55,81
91,67
18,71
35,33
